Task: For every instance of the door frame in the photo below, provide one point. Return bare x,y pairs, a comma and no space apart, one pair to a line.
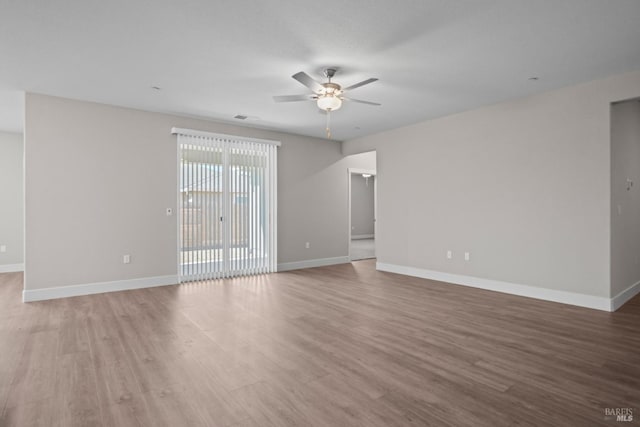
228,145
358,171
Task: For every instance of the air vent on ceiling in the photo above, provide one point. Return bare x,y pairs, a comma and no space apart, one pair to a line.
240,117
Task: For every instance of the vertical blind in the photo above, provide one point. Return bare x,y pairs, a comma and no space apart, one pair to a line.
226,205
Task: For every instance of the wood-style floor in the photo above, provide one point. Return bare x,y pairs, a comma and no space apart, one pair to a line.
333,346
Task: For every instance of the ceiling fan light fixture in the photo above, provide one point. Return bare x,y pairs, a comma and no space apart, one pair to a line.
329,102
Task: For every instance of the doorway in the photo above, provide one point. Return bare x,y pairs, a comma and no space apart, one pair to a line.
625,201
226,200
362,214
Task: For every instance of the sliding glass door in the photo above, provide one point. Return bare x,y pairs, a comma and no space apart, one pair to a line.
227,206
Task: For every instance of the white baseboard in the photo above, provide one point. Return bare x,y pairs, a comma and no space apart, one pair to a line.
29,295
624,296
362,236
320,262
11,268
571,298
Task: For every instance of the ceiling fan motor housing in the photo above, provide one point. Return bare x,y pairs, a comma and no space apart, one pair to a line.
332,88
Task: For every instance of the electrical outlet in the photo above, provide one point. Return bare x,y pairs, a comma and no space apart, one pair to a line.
467,256
449,254
126,259
3,248
307,245
169,211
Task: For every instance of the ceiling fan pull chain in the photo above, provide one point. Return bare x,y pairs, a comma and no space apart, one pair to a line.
329,124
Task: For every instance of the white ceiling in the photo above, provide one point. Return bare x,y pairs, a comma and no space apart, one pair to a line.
216,59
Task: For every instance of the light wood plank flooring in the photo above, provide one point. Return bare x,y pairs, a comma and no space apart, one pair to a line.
360,249
332,346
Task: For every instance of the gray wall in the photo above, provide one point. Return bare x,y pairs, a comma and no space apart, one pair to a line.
11,199
625,199
362,205
313,199
99,178
522,185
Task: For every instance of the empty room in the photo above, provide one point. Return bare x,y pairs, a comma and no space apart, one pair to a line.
363,213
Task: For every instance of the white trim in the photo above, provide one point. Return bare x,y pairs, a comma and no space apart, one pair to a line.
624,296
11,268
358,171
362,236
201,133
29,295
310,263
273,208
571,298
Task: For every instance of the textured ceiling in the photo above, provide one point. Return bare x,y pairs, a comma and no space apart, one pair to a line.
216,59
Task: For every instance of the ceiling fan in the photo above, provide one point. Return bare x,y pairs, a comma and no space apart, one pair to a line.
328,95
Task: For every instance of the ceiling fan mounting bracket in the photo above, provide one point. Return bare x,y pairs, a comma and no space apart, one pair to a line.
329,72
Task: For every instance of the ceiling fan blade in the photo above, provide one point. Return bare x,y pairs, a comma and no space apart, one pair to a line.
308,81
362,83
361,101
293,98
